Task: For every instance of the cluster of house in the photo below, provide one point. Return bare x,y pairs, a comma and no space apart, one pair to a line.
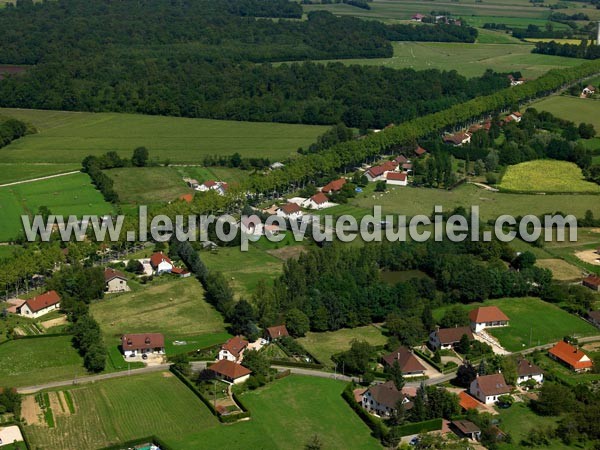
394,172
588,91
436,19
516,81
210,185
464,137
161,263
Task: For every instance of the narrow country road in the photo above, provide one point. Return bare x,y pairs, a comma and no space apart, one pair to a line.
14,183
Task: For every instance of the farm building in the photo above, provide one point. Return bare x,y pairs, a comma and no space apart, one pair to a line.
396,179
446,338
230,372
377,173
276,332
417,18
382,399
334,186
570,356
211,185
142,343
290,211
487,317
527,371
161,263
233,349
408,362
466,429
457,139
487,388
592,282
317,201
40,305
115,281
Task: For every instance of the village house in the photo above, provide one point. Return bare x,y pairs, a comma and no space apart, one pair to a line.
420,151
527,371
334,186
487,388
233,349
252,226
516,116
408,362
160,263
515,81
571,357
383,399
446,338
180,272
401,159
317,201
115,281
487,317
276,332
142,343
290,211
191,182
466,429
594,317
377,173
407,167
396,179
588,91
417,18
211,185
230,372
457,139
592,282
38,306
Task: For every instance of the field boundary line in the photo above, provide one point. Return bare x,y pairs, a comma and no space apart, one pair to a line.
47,177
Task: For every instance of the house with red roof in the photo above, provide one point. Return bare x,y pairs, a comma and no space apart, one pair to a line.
516,116
487,317
161,263
142,343
38,306
447,338
420,151
211,185
229,371
396,178
334,186
592,282
457,139
233,349
408,362
487,388
377,173
417,18
181,272
276,332
401,159
317,201
571,357
115,281
290,211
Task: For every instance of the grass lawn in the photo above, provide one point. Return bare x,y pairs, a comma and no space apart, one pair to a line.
175,308
147,185
286,414
571,108
27,362
547,176
323,345
68,137
561,270
122,409
71,194
12,172
532,318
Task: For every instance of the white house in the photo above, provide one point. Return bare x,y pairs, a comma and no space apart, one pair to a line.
528,371
211,185
230,372
588,90
142,343
161,263
233,349
290,211
382,399
377,173
487,388
40,305
396,179
487,317
446,338
115,281
516,116
317,201
457,139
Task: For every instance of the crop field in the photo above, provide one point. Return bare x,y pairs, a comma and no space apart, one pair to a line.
175,308
526,329
561,270
71,194
26,362
468,59
147,185
68,137
571,108
547,176
323,345
119,410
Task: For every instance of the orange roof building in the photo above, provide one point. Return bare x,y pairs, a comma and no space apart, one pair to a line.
334,186
571,356
230,372
487,317
40,305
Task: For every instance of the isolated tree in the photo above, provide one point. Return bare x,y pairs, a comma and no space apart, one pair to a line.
140,157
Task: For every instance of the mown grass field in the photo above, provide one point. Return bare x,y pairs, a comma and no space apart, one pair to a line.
147,185
468,59
323,345
12,172
175,308
67,137
561,270
548,176
532,322
571,108
27,362
71,194
119,410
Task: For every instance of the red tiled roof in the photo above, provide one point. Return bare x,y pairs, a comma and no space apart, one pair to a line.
593,280
319,198
186,198
334,186
467,402
485,314
401,159
494,384
452,335
45,300
571,355
209,183
142,341
407,361
396,176
456,139
290,208
386,394
376,171
420,150
157,258
229,369
178,271
110,274
277,331
517,114
235,345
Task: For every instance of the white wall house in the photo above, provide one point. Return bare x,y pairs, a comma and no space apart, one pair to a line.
233,349
487,388
487,317
161,263
290,211
115,281
527,371
142,343
40,305
396,179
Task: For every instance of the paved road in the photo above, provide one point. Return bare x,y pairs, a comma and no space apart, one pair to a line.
92,378
40,178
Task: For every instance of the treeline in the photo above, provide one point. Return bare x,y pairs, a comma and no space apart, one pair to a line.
583,50
363,4
235,160
349,154
432,33
335,135
11,129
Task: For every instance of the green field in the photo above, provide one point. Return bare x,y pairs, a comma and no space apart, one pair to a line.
323,345
71,194
175,308
468,59
147,185
67,137
532,322
27,362
549,176
12,172
571,108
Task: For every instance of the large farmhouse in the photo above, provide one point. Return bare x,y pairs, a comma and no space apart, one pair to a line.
142,343
571,357
290,211
40,305
487,317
